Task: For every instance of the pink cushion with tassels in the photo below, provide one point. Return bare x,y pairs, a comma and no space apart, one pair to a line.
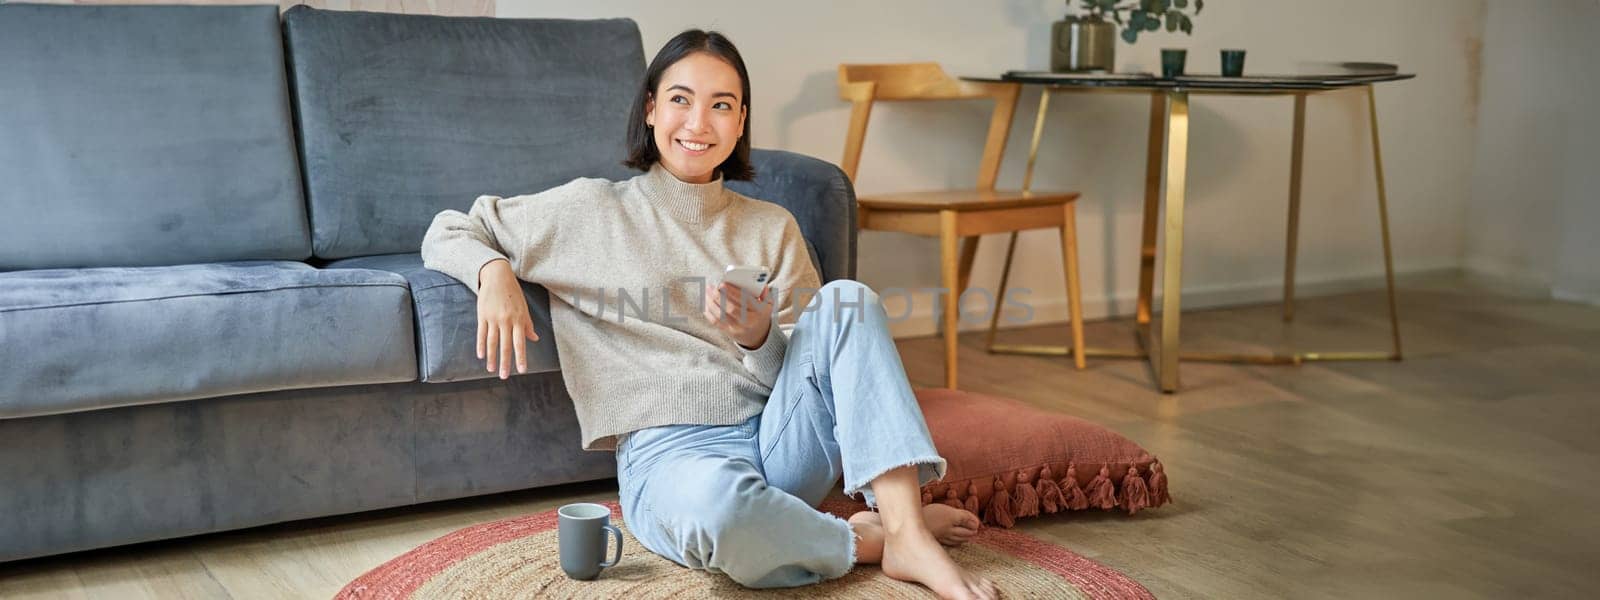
1011,460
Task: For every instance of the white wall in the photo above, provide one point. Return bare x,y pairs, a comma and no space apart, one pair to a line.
1533,212
1238,157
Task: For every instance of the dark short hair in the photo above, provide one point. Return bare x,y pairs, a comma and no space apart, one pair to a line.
642,151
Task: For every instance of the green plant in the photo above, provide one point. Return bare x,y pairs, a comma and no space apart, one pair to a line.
1144,15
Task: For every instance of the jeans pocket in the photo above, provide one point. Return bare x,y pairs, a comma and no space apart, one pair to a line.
750,428
624,463
793,398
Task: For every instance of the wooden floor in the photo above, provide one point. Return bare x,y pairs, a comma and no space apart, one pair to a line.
1471,469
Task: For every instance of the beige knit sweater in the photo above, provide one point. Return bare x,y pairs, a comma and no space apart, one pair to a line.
624,262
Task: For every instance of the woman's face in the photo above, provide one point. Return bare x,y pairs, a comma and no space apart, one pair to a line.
697,116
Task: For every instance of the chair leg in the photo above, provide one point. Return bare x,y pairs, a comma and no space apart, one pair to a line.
969,254
1069,263
949,262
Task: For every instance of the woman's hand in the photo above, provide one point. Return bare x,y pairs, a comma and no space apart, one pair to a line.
503,320
744,317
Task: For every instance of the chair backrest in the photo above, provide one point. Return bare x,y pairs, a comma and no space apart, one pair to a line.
864,84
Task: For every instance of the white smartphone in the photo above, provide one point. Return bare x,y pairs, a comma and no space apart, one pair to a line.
750,278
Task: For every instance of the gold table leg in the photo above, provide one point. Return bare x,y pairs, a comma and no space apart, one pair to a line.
1168,139
1011,245
1177,159
1383,220
1038,131
1152,203
1296,156
1069,242
1000,297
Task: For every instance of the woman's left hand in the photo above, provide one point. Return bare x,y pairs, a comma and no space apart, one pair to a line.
741,316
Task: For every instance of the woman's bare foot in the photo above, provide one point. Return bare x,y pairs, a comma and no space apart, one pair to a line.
915,555
910,550
950,525
869,537
912,554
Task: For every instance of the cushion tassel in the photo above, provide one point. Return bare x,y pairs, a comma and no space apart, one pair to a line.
952,498
1102,493
1134,495
1050,498
972,500
1026,501
1075,498
1158,486
999,512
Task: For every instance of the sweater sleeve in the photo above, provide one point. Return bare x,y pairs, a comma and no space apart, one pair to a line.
519,229
795,281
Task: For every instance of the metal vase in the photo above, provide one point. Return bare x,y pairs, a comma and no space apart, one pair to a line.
1082,44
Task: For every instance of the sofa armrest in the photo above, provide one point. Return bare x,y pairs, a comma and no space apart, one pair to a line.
821,198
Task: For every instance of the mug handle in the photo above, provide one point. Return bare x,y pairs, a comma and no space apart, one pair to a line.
616,534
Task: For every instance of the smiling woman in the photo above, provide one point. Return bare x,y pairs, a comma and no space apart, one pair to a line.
692,111
727,433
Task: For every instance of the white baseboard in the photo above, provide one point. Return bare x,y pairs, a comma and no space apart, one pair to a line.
1527,282
920,320
1499,273
1582,296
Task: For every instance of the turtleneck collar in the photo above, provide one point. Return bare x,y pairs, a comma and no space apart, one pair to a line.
692,202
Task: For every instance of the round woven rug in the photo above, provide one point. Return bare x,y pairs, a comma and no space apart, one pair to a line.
517,558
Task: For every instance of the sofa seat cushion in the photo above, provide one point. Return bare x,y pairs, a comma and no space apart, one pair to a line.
85,339
447,320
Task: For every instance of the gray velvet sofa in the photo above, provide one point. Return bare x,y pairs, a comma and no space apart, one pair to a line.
212,311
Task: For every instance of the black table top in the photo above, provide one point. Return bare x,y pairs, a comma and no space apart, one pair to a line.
1248,83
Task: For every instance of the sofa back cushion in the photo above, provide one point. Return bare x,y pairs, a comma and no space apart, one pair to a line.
145,135
402,116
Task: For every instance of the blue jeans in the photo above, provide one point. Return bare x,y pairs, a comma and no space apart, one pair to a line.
740,499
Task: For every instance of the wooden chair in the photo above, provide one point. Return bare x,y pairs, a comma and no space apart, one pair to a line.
953,215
